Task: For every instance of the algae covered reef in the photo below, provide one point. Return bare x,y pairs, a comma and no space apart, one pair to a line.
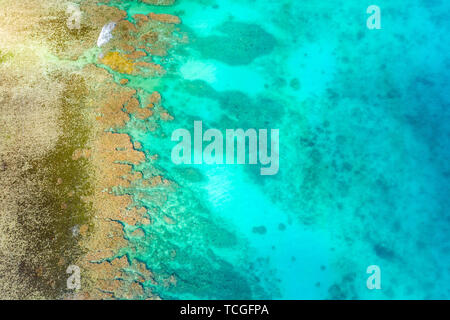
60,155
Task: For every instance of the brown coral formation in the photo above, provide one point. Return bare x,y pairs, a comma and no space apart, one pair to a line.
133,107
132,46
165,18
160,2
112,156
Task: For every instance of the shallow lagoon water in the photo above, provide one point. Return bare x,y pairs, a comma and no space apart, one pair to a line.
364,139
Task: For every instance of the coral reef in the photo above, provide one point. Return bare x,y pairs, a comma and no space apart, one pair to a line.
61,155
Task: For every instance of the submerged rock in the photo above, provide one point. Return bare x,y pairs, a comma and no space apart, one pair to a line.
260,230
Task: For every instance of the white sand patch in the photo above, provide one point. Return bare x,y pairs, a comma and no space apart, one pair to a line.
197,70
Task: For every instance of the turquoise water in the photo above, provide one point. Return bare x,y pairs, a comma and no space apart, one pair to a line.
364,148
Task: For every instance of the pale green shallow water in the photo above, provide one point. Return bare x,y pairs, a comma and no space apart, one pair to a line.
364,136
